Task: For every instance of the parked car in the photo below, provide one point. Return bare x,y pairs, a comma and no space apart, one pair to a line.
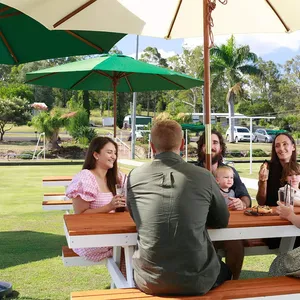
240,134
265,135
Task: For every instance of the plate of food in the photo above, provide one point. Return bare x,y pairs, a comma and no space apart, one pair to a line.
259,210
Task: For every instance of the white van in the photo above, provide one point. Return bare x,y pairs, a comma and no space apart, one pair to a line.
240,134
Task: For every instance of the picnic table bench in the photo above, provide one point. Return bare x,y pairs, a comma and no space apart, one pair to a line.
57,201
258,288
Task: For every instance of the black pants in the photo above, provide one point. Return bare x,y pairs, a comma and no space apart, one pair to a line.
274,243
224,275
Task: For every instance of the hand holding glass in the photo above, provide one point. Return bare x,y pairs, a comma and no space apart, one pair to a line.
120,192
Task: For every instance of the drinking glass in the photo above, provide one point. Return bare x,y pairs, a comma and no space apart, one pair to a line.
119,192
119,189
286,195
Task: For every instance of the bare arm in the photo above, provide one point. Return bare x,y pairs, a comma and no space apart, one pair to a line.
286,212
263,174
82,207
246,201
261,195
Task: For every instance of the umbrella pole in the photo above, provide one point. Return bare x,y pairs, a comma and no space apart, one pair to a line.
207,103
115,107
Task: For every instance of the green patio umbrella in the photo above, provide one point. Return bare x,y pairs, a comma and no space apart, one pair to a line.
23,39
117,73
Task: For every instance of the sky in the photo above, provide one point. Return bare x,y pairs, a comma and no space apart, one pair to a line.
276,47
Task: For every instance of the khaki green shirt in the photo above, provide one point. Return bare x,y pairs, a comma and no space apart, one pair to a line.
172,202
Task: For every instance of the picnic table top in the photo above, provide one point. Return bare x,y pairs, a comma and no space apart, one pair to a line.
117,223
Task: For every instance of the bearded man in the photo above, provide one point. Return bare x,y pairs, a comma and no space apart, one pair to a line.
218,149
234,250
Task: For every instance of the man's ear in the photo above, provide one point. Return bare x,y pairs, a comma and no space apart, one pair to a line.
182,145
153,148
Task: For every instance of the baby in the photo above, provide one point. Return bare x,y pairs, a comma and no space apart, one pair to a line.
291,175
224,177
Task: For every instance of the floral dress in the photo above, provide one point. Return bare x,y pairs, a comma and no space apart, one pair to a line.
85,186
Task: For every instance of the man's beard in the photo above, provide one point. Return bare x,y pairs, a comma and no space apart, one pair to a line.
216,157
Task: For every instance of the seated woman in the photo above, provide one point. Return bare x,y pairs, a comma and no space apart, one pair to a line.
283,152
93,188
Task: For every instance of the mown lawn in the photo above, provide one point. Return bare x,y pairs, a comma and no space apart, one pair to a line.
31,240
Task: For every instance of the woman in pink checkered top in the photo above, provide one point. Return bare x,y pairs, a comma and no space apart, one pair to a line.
93,188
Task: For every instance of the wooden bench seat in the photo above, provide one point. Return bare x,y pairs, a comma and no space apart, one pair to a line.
58,205
55,196
71,259
234,289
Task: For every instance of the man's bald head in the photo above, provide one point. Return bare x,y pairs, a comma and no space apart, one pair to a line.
166,136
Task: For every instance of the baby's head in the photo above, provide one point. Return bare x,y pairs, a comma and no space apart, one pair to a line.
291,174
224,177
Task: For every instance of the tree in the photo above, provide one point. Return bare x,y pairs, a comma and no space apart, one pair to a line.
290,86
14,111
149,99
190,63
50,123
78,126
228,66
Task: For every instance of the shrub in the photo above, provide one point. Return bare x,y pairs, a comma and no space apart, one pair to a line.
84,135
26,154
257,153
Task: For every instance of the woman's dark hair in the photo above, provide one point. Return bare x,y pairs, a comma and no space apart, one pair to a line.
201,142
274,156
290,168
90,162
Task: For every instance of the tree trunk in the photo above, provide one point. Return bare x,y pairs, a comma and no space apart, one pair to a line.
148,105
86,102
1,136
53,141
231,115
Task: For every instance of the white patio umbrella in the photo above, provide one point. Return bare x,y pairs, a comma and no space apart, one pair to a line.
169,19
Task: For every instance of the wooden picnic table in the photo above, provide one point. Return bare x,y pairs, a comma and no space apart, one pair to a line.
118,230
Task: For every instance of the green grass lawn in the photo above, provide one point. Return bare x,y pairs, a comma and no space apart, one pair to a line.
31,239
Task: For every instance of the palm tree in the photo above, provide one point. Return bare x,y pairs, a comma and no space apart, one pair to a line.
228,66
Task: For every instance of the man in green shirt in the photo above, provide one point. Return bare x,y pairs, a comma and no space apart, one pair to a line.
172,202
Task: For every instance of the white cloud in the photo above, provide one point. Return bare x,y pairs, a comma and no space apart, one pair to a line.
261,44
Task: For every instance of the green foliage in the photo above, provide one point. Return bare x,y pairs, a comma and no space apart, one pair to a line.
85,135
14,111
16,90
163,116
258,153
263,123
219,127
229,65
80,119
26,155
160,106
183,118
123,103
177,106
139,109
50,123
79,128
74,104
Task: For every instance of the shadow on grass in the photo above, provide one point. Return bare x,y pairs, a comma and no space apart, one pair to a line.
15,295
21,247
253,274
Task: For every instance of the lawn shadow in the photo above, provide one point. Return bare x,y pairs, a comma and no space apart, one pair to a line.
16,295
21,247
246,274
